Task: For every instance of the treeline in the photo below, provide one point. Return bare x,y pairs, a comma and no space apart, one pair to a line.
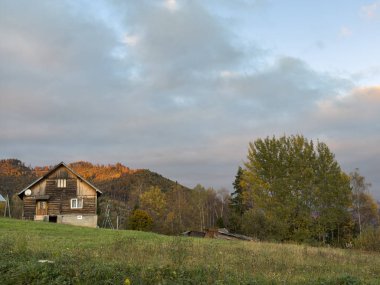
169,207
289,189
170,211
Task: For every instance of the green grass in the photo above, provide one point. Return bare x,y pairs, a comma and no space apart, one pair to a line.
99,256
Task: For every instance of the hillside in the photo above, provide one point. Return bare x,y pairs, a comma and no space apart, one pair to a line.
14,175
119,183
172,207
75,255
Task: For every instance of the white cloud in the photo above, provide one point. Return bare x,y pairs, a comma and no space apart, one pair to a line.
172,5
345,32
228,74
370,11
130,40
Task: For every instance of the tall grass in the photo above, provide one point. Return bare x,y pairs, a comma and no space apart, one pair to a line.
98,256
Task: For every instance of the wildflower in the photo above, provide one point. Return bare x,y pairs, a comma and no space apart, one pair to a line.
127,281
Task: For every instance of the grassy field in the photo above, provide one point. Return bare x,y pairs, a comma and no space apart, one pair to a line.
99,256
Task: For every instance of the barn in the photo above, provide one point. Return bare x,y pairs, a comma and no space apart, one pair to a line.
61,196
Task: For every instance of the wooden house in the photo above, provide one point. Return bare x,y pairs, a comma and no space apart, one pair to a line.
61,196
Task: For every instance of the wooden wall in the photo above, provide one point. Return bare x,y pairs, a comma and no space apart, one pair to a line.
89,206
29,208
60,198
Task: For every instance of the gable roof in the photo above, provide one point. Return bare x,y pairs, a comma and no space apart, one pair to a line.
54,169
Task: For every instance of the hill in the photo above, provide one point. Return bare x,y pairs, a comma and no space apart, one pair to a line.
46,253
111,178
14,176
172,207
120,184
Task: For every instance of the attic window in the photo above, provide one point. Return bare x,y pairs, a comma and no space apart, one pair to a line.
61,183
76,203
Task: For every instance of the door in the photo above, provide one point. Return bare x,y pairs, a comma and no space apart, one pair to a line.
41,208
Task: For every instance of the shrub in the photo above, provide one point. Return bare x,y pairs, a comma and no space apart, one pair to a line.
140,220
369,240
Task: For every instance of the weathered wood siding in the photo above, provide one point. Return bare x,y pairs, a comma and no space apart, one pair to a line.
29,208
59,202
39,189
83,189
89,206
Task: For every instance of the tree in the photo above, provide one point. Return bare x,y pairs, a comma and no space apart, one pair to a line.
359,189
237,206
332,198
297,188
153,201
140,220
199,197
237,196
222,200
368,210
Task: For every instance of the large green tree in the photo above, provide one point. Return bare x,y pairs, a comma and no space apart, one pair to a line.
296,190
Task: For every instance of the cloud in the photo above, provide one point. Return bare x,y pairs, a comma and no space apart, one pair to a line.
345,32
172,5
130,40
189,41
170,90
370,11
361,102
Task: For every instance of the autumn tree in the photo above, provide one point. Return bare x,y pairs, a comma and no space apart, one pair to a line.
369,210
153,201
199,200
179,215
365,209
222,200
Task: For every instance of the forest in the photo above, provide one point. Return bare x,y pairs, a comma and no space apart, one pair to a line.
290,189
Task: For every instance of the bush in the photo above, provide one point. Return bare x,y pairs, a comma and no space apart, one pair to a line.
140,220
369,240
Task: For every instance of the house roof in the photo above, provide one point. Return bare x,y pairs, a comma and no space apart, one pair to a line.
54,169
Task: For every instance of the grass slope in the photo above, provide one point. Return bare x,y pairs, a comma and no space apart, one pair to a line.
99,256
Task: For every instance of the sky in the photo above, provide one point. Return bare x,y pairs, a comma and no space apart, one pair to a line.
182,87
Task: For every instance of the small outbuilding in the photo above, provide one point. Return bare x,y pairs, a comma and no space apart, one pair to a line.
217,233
194,234
61,196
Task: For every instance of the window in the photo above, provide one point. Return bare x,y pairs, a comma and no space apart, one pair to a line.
61,183
76,203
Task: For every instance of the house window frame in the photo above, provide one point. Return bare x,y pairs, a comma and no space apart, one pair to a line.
78,203
61,183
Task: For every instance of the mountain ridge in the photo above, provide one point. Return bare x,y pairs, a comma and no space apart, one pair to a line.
117,181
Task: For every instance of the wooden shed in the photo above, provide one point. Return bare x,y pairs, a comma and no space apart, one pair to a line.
61,196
